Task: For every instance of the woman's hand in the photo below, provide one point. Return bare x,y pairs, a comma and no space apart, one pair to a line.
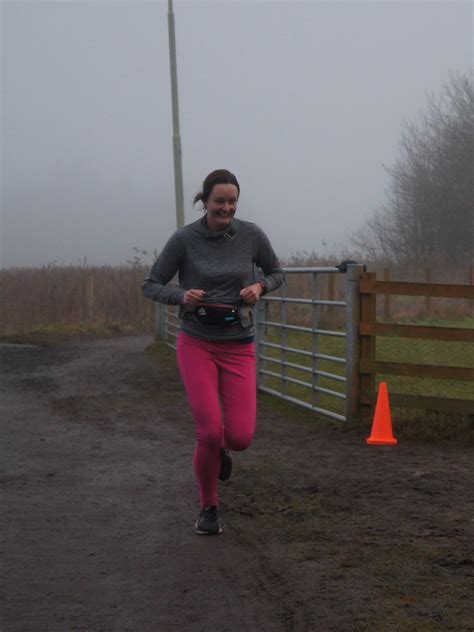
251,293
192,297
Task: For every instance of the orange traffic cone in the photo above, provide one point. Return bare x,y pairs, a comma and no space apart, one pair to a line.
382,425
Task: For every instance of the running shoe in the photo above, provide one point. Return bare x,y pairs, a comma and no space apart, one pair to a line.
208,522
226,464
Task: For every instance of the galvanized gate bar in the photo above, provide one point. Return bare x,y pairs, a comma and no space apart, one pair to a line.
306,301
293,380
321,270
322,332
322,356
307,369
294,400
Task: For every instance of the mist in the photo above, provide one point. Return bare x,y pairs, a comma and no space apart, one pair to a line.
303,101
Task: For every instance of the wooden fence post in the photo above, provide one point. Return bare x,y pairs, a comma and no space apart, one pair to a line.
386,298
368,305
428,298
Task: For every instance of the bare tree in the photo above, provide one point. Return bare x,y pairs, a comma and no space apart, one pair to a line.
429,211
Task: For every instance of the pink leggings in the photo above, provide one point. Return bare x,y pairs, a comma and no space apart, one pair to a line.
220,382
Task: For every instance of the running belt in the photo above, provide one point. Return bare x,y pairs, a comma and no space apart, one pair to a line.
216,315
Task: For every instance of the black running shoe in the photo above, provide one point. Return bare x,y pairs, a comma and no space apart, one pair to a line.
208,522
226,464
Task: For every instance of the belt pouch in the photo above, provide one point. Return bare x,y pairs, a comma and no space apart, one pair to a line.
217,315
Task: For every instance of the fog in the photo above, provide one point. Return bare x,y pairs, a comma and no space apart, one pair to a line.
303,101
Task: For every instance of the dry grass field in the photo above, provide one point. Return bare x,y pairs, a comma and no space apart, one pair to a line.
87,298
73,298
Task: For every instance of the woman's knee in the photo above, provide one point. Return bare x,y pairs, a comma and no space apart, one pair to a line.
238,441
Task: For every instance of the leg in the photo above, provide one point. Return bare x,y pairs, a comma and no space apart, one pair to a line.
238,389
200,376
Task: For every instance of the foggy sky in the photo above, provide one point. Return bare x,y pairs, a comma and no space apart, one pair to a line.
302,101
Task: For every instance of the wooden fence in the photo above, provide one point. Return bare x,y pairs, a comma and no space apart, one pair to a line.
426,275
390,307
370,329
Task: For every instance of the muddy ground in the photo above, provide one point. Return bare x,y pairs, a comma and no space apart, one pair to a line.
321,531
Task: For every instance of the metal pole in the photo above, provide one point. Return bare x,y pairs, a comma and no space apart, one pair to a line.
284,338
316,322
178,170
353,274
260,314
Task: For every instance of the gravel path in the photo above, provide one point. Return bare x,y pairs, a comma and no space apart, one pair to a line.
321,532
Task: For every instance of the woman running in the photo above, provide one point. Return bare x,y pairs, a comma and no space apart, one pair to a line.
215,258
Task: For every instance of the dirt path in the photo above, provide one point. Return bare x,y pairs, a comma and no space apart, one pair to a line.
321,532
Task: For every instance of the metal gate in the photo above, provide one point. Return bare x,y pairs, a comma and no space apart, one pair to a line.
287,352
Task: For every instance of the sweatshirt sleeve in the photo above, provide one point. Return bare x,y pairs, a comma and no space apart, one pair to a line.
267,260
162,271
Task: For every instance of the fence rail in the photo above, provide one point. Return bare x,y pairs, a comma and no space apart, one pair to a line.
370,329
396,330
370,285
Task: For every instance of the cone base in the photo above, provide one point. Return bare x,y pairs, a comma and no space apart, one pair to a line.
381,441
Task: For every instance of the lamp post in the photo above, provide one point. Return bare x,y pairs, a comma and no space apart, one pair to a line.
178,169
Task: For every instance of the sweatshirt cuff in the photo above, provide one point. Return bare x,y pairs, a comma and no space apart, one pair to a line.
180,297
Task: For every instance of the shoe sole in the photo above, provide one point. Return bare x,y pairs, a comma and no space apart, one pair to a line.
197,532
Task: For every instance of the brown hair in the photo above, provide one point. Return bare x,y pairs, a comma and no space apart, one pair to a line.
219,176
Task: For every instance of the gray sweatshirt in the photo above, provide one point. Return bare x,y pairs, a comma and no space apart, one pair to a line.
221,264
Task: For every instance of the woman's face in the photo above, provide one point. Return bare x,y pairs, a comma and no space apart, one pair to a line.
221,206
